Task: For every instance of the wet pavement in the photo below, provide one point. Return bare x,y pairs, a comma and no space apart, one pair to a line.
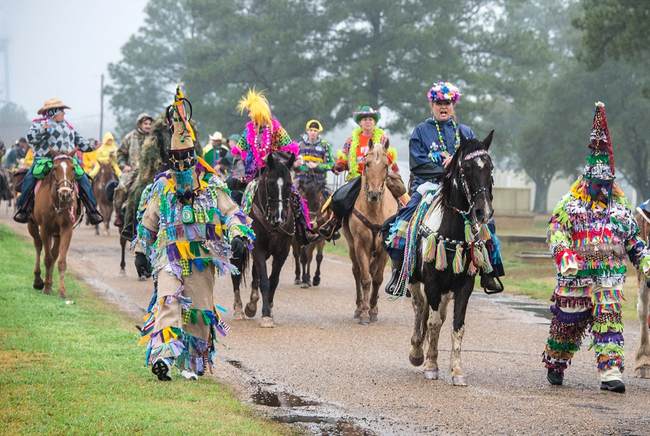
321,371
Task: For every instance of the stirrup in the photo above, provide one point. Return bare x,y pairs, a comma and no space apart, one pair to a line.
495,291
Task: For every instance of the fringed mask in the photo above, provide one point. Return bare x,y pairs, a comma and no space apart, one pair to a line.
598,188
183,163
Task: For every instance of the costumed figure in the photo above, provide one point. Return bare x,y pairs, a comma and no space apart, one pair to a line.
315,157
188,226
128,158
352,159
431,147
52,135
217,154
106,154
590,232
262,136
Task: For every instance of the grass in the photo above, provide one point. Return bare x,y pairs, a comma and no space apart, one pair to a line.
77,368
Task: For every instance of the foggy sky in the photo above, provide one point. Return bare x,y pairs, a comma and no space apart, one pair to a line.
60,48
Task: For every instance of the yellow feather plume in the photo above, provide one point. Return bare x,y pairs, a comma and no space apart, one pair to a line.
257,106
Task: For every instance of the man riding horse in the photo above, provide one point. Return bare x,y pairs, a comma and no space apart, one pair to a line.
431,148
352,159
263,136
315,157
590,232
52,135
189,224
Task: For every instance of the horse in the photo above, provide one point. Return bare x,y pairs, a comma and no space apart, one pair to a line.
56,211
105,175
312,189
465,197
6,188
274,226
642,368
362,231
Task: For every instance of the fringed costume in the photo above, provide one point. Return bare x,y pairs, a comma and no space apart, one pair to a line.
590,233
187,226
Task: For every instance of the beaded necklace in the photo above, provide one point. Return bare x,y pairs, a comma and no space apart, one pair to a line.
440,138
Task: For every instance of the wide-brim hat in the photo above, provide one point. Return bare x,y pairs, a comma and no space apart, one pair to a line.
216,136
365,111
600,161
52,103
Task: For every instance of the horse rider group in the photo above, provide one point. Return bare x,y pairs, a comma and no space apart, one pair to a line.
189,219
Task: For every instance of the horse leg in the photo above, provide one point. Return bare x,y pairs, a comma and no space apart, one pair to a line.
49,262
421,311
319,260
262,272
251,307
305,260
122,261
437,317
38,246
63,245
274,280
365,282
642,368
296,262
377,266
461,299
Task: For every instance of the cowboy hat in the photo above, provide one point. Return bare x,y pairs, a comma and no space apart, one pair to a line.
216,136
365,111
52,103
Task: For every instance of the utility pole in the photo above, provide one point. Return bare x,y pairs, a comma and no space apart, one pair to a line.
101,109
4,48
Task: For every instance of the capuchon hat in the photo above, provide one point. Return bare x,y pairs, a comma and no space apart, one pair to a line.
52,103
365,111
600,161
314,124
216,136
443,91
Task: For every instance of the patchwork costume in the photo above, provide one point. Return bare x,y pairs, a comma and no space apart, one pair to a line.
188,225
430,143
589,237
48,139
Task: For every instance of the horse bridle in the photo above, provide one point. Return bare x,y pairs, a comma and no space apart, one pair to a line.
267,211
366,185
63,185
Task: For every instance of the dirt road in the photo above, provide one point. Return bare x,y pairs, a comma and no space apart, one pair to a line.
321,368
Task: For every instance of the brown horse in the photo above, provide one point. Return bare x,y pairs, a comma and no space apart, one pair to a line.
56,211
642,368
362,230
105,175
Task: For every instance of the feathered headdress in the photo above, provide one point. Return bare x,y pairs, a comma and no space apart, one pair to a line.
600,162
257,106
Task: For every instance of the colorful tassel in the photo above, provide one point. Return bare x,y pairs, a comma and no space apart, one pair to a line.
487,266
429,250
441,256
459,260
485,234
468,231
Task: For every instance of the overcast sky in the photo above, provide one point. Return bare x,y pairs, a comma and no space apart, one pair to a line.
60,48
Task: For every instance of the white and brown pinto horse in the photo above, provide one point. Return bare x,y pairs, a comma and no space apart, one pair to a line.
56,210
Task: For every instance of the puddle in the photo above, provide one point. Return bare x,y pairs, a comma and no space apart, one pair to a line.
264,397
537,309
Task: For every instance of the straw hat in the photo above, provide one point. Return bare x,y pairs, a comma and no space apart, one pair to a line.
52,103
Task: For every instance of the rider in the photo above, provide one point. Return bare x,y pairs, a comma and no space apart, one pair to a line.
52,135
106,154
262,136
315,157
590,231
190,224
236,179
352,159
431,147
17,152
128,158
212,148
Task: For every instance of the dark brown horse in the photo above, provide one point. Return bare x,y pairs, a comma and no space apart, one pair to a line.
56,210
105,175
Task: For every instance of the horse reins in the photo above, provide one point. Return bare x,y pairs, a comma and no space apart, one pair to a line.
265,218
63,186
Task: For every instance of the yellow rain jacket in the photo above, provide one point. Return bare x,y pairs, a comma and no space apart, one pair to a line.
106,153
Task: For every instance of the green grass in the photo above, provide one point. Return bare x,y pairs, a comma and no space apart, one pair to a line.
78,369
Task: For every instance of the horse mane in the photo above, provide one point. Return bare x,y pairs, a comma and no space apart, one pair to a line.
467,146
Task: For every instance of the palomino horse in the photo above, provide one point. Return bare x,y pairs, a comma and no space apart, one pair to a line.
465,197
101,180
642,368
362,230
274,226
51,223
311,187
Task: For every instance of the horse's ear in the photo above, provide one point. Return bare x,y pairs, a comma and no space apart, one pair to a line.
270,161
488,140
291,160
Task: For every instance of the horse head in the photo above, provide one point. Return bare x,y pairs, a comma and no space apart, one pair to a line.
64,181
467,185
375,172
276,182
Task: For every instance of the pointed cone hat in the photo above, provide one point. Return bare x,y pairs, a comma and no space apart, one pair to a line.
600,161
179,119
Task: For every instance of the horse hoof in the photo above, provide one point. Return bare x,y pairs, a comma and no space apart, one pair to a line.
416,360
364,320
304,285
431,374
374,317
250,310
238,315
267,322
62,294
458,380
122,272
47,291
357,314
642,371
38,284
297,282
316,281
